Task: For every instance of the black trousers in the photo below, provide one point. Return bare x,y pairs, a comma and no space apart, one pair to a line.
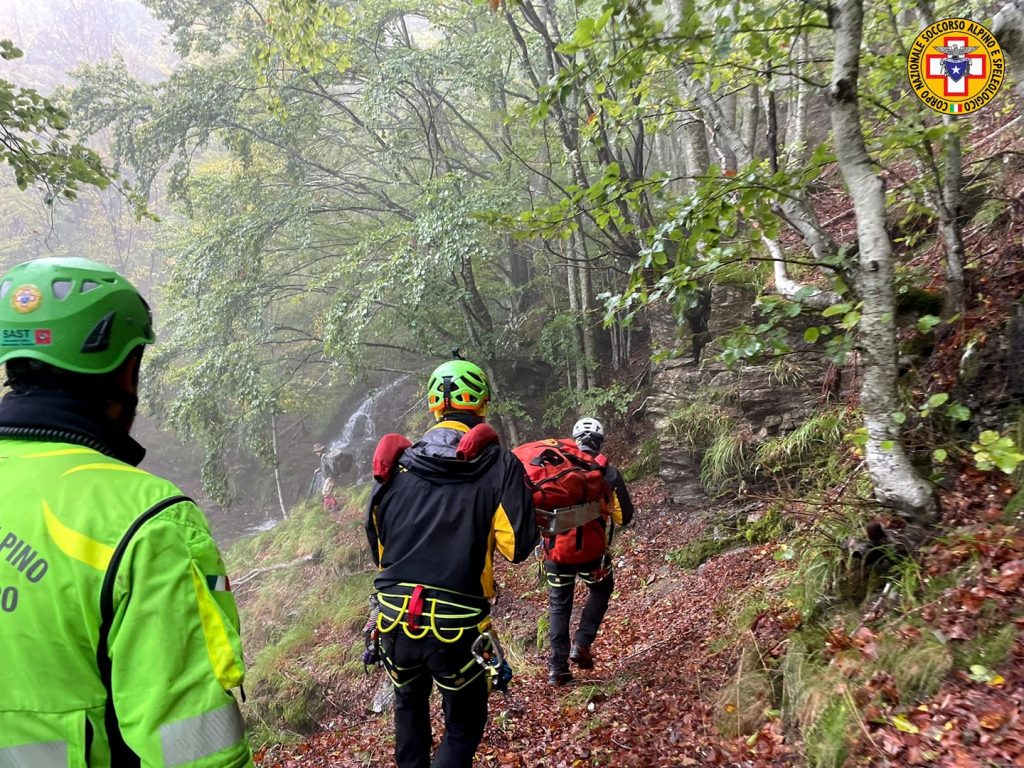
414,666
561,581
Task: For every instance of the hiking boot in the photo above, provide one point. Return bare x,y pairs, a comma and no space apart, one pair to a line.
559,676
581,657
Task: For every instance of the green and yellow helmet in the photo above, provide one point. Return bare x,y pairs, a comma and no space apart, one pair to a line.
458,385
75,314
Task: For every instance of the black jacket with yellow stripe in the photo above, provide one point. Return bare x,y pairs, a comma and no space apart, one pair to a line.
439,519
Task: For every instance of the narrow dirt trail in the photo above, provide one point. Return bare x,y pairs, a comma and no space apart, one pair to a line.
648,702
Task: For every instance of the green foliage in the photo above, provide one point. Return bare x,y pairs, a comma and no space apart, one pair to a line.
989,647
767,526
993,450
608,403
741,705
830,738
36,142
316,583
543,627
812,457
700,423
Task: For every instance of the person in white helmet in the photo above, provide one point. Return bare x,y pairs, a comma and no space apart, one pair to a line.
597,575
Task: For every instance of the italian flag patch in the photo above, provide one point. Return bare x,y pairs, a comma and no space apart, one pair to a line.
218,583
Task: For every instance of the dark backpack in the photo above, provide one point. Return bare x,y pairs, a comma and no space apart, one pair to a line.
340,463
563,475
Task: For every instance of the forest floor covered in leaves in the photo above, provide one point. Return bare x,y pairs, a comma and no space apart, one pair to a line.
647,702
673,640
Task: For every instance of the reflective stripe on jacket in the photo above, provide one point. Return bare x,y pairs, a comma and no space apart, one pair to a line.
72,519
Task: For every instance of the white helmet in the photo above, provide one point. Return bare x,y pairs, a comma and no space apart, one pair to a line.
587,426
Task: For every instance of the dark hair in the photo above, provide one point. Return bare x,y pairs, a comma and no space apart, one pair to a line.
26,375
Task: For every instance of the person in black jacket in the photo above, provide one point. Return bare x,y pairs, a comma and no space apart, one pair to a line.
597,574
433,525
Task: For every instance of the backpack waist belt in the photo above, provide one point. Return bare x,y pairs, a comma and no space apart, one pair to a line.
420,611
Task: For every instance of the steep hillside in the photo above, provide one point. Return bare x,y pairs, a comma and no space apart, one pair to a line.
767,611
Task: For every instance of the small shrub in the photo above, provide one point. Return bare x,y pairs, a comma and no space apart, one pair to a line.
698,424
770,526
917,663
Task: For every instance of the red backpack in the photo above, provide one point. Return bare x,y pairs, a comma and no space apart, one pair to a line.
563,475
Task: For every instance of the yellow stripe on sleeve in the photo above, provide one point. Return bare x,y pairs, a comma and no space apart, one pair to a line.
218,646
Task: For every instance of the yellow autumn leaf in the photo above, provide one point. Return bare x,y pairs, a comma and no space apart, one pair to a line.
900,723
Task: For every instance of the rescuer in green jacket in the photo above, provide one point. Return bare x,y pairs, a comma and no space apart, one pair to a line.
119,639
433,526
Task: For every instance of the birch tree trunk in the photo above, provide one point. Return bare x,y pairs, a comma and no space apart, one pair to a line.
694,133
896,482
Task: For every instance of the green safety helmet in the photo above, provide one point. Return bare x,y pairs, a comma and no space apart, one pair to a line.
458,385
75,314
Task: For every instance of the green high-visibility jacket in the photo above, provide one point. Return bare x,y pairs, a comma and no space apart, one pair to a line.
119,641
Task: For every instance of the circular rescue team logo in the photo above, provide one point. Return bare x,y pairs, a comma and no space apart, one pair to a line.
955,66
26,298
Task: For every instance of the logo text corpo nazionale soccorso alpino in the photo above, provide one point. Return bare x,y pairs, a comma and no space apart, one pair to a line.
955,66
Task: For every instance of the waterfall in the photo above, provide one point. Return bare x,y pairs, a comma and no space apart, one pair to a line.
360,434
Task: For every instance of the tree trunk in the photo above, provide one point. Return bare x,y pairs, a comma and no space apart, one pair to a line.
748,120
696,159
277,466
794,209
896,482
948,201
796,138
949,224
786,286
575,292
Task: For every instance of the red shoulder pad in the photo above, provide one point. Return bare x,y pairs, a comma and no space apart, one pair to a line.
386,455
474,441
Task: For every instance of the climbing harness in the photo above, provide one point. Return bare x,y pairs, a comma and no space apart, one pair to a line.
490,655
418,611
